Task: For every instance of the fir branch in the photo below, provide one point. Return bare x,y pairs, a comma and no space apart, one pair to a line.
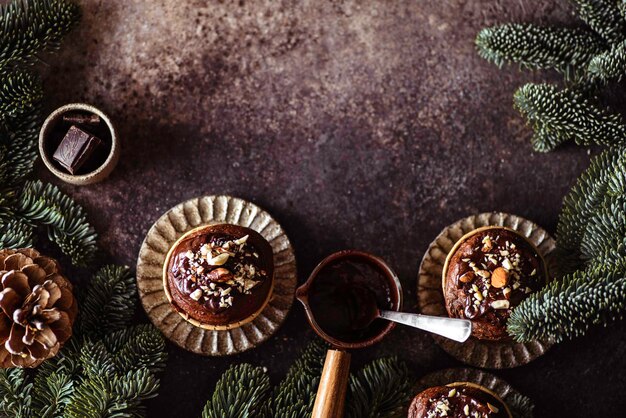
29,27
295,395
68,226
240,393
616,182
379,390
16,234
14,394
566,308
609,65
108,304
603,17
96,360
537,47
113,395
137,347
18,138
582,200
564,115
52,394
606,228
20,91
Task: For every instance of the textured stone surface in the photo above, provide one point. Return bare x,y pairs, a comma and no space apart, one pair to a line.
356,124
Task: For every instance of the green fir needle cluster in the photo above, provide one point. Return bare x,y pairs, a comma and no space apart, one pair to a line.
591,243
107,369
27,29
380,390
591,232
589,56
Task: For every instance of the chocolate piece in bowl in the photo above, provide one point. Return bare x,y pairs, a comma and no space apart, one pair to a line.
488,273
219,276
76,149
458,400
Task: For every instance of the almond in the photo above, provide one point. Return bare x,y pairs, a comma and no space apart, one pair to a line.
467,277
499,278
220,275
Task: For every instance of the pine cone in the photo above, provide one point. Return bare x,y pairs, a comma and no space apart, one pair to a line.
38,308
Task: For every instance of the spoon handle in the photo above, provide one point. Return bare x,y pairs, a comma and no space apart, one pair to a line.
455,329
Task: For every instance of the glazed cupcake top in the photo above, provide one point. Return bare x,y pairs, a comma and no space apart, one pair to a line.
489,274
456,402
224,274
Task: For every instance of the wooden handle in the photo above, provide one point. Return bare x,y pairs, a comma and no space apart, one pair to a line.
331,393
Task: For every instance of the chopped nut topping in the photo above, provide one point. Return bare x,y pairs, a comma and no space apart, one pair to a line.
500,304
196,294
493,408
467,277
483,273
218,260
219,270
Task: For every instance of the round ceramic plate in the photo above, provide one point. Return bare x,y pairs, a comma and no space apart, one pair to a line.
520,406
495,355
204,211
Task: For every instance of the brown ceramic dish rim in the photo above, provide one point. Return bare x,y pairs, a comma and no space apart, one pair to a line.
99,173
483,389
302,294
210,327
444,271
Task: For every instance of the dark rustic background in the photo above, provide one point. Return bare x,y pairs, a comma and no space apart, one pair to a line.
356,124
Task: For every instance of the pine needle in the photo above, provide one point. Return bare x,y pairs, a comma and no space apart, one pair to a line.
606,229
538,47
51,397
561,115
295,395
29,27
609,65
108,305
603,17
568,307
379,390
583,199
67,221
16,234
240,393
14,393
20,91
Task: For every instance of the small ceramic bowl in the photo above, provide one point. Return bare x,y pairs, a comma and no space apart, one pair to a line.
395,288
94,176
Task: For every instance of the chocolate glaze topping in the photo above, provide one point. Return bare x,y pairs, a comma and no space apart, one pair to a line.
456,402
220,277
488,275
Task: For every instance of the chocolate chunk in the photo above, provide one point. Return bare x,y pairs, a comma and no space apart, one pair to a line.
75,149
81,118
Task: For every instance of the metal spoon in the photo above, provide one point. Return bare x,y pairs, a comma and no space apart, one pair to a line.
453,328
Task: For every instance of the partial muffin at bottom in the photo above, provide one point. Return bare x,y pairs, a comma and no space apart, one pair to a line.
458,400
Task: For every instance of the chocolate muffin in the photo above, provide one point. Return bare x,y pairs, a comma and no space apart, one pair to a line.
458,400
219,276
489,272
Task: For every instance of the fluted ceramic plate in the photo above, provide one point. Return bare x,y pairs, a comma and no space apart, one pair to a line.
205,211
520,405
487,354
